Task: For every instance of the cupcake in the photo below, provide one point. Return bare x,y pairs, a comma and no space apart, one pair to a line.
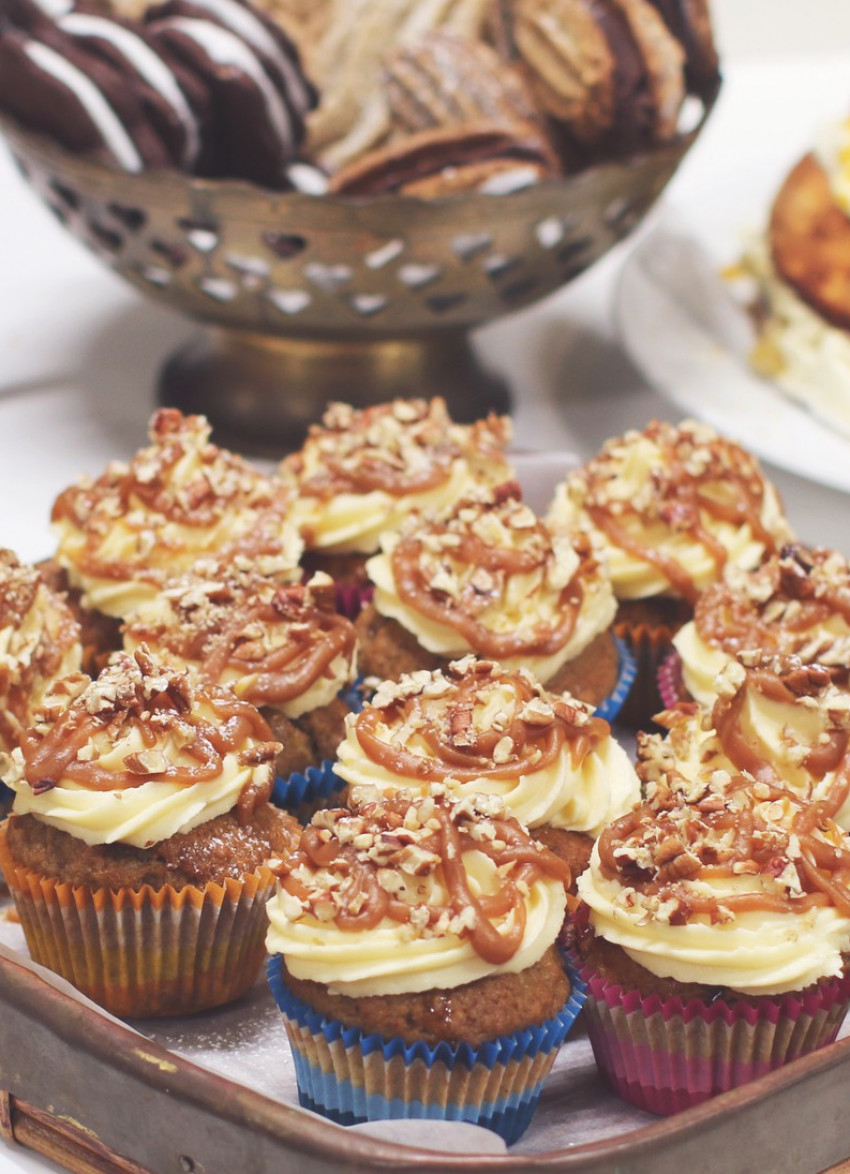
671,507
796,603
414,961
39,643
714,934
776,719
479,728
139,845
122,536
489,578
363,471
282,647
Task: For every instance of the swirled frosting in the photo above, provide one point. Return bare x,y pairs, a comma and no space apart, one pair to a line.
120,537
479,728
796,603
280,646
775,719
671,507
361,472
490,578
723,879
405,894
139,754
39,643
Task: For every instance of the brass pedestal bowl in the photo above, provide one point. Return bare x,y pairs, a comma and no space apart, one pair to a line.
306,298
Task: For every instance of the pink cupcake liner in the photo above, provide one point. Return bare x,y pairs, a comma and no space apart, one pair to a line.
667,1055
671,686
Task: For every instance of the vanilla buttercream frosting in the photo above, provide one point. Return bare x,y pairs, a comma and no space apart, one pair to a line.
139,754
405,893
277,645
39,643
796,603
479,728
361,472
490,578
724,880
182,498
775,719
671,507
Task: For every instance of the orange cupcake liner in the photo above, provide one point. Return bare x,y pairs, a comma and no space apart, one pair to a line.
148,952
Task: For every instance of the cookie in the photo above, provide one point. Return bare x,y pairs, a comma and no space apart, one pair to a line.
54,86
448,160
273,47
443,80
256,132
176,103
690,23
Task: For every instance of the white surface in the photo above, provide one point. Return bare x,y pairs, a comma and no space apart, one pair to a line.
79,350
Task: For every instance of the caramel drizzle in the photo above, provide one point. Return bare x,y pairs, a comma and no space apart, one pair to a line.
730,620
53,756
682,508
363,903
198,506
415,591
457,750
280,673
823,868
825,757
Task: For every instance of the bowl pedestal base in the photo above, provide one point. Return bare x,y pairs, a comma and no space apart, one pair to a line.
262,392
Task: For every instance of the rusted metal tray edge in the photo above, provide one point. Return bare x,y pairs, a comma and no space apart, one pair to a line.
95,1096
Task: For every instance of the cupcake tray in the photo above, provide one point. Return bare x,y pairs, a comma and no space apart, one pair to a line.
215,1094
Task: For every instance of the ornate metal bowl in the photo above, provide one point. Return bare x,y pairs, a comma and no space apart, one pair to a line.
307,298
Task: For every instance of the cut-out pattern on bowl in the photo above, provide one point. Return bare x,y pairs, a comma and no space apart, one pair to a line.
276,263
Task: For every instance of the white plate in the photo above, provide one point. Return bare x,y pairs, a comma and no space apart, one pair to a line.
677,319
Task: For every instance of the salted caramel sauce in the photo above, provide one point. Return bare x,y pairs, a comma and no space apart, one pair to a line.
459,750
305,634
792,593
136,695
681,500
361,903
147,493
641,849
399,448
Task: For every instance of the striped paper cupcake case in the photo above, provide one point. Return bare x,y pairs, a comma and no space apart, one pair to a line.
667,1055
147,952
305,792
610,708
351,1077
671,687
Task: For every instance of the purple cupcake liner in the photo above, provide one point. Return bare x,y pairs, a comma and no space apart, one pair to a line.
352,1077
671,687
350,599
626,674
667,1055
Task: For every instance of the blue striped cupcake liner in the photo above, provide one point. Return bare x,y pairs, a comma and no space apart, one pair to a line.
626,673
351,1077
318,786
